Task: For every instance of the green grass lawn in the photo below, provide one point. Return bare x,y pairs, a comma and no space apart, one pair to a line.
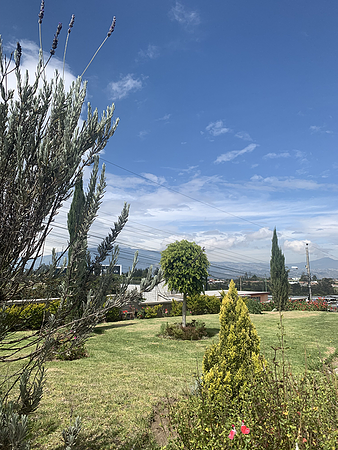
130,370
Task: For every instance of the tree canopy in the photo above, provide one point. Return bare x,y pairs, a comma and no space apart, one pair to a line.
185,269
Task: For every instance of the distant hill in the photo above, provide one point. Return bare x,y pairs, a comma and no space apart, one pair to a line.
146,258
322,268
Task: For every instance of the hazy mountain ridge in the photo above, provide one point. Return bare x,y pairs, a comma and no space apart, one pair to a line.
322,268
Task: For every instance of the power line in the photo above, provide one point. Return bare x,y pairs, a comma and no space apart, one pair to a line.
209,248
180,193
125,252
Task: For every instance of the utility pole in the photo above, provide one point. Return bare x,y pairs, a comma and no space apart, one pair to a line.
308,269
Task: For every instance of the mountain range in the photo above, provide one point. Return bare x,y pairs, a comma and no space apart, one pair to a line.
322,268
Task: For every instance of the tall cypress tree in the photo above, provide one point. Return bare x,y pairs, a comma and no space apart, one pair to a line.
75,213
278,274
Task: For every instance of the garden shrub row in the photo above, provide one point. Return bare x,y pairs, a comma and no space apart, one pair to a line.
30,316
319,304
197,305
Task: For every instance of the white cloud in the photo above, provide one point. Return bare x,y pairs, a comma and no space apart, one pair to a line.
276,155
121,89
243,135
261,234
151,52
235,153
238,225
184,17
217,128
29,60
296,246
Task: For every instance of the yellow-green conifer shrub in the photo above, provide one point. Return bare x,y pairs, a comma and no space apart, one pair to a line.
229,364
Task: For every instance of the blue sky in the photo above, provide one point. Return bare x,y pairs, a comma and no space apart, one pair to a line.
228,118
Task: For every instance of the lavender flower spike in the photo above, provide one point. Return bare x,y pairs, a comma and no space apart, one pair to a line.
112,26
71,23
55,40
42,11
17,54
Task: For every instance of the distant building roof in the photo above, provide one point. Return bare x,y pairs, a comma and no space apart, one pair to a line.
161,294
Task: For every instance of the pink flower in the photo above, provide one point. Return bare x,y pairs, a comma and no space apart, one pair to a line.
244,429
232,432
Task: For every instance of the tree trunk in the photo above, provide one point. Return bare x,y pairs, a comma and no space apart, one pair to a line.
184,310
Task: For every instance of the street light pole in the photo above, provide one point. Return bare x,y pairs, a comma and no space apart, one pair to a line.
308,269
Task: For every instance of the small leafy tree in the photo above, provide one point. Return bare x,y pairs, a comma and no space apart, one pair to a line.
228,364
278,275
185,270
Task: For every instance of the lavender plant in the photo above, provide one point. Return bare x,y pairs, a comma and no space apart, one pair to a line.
43,151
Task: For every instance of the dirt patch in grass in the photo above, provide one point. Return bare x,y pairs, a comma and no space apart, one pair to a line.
160,426
330,351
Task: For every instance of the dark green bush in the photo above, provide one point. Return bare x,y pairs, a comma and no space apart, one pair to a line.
254,305
268,306
192,331
113,315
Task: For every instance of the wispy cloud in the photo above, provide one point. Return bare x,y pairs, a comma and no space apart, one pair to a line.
217,128
154,178
151,52
319,129
276,155
291,183
142,134
188,19
300,155
189,170
243,135
164,118
122,88
229,156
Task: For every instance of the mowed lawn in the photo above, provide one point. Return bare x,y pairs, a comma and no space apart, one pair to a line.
130,370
